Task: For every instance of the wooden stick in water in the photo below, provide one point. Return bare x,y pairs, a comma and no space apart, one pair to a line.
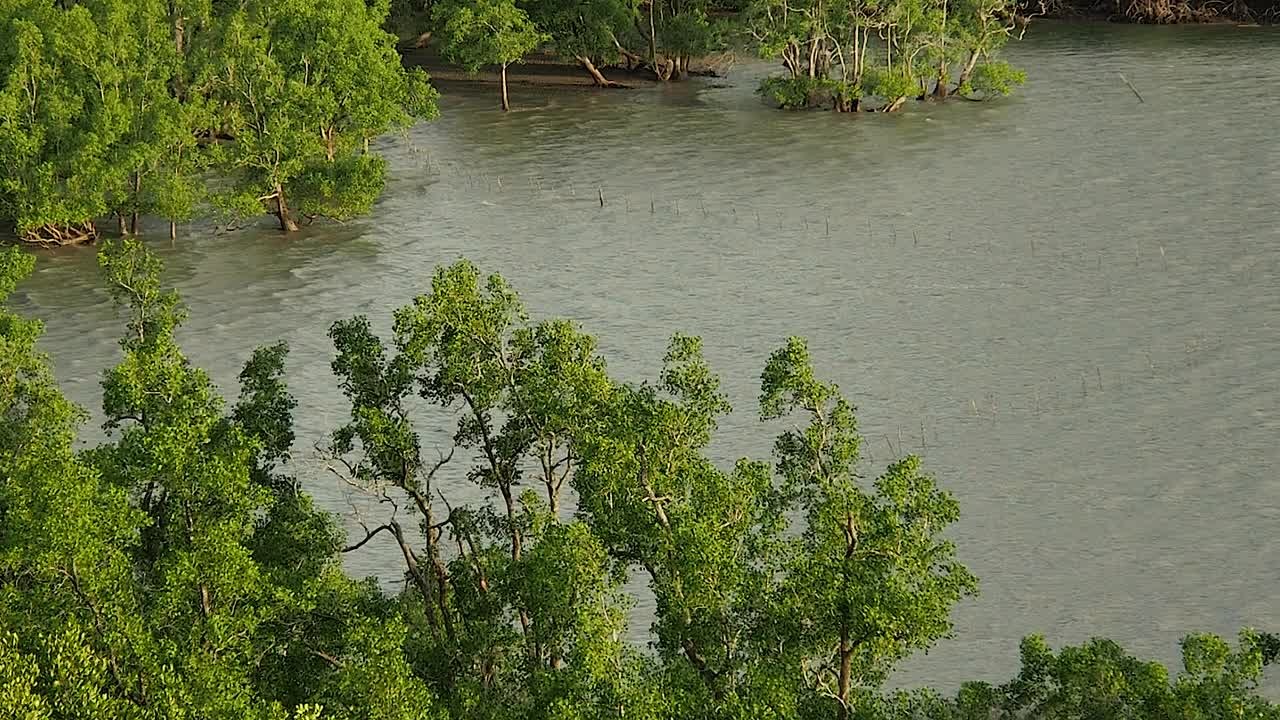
1131,87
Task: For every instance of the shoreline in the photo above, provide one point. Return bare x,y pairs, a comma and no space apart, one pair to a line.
539,70
546,70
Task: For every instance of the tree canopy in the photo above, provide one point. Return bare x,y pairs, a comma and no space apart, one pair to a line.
128,108
179,569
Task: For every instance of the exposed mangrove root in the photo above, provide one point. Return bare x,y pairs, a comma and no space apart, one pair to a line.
894,106
594,72
51,236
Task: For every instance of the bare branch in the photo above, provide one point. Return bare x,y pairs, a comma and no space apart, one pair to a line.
369,535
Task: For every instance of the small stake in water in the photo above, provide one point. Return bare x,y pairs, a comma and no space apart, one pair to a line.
702,205
828,227
651,205
628,204
757,219
1084,388
1033,247
1164,259
1099,369
915,236
1131,87
677,206
499,182
600,192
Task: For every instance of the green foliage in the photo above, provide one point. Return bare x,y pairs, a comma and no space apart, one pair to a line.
524,610
582,29
849,52
172,572
62,116
795,93
995,79
303,86
179,571
485,32
129,107
892,84
1099,680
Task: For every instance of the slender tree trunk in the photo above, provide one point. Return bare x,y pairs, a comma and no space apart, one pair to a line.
121,227
419,579
968,68
506,104
944,73
846,670
653,43
442,582
590,67
282,212
137,193
173,231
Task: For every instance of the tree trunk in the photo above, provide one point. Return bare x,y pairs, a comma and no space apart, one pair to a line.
653,44
941,90
282,212
968,69
590,67
846,670
419,579
137,191
121,228
173,231
506,104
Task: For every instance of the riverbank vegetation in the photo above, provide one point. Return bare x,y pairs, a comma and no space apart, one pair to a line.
1161,12
180,569
844,53
128,108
